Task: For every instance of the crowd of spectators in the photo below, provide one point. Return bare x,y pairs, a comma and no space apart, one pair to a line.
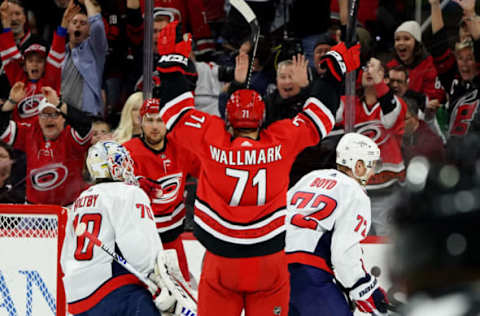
416,94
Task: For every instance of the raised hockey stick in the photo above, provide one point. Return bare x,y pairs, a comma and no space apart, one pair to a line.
251,18
350,77
180,291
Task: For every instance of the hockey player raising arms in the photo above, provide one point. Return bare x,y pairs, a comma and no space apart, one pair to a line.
240,204
329,214
119,215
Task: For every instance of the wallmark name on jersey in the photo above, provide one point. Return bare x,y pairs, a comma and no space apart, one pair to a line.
246,157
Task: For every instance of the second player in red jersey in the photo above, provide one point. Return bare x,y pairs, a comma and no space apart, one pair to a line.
164,168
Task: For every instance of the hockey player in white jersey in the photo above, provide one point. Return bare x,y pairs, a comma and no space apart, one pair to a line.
329,214
119,214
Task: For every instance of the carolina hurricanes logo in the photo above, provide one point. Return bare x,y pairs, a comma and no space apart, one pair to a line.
373,130
48,177
28,107
170,186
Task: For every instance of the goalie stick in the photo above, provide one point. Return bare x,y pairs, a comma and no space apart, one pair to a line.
251,18
180,291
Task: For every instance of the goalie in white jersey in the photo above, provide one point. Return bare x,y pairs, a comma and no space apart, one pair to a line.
118,214
329,214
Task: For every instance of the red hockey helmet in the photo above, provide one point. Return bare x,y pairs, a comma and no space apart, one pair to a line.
150,106
245,109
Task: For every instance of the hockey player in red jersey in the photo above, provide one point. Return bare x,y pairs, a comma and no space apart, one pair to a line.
241,194
163,168
37,67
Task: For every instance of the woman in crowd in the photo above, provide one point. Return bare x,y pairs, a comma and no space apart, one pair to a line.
129,125
410,52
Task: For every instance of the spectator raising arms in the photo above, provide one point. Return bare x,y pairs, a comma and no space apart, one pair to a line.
55,146
35,69
410,52
458,72
82,71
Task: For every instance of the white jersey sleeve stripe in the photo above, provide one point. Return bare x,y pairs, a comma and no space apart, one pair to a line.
320,115
173,109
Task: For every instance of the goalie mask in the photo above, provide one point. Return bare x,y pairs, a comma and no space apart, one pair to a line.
245,109
353,147
110,160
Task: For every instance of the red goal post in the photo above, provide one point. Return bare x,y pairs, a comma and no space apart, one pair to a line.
31,238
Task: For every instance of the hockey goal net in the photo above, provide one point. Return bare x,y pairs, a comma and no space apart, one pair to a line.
31,238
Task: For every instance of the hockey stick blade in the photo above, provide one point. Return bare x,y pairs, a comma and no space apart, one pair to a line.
247,13
179,291
244,10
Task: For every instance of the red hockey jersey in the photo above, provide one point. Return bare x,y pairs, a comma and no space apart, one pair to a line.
54,167
12,60
423,78
169,167
241,194
386,128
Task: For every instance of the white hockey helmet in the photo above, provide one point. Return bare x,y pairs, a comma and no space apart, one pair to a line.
353,147
110,160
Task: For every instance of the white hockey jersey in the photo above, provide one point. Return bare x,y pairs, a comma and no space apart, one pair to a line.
328,216
121,217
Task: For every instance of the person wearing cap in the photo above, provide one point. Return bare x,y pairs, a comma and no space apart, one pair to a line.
410,52
55,145
161,17
37,68
191,14
163,169
82,70
458,73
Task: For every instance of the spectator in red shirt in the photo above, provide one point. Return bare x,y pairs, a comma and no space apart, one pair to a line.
410,52
55,145
38,67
